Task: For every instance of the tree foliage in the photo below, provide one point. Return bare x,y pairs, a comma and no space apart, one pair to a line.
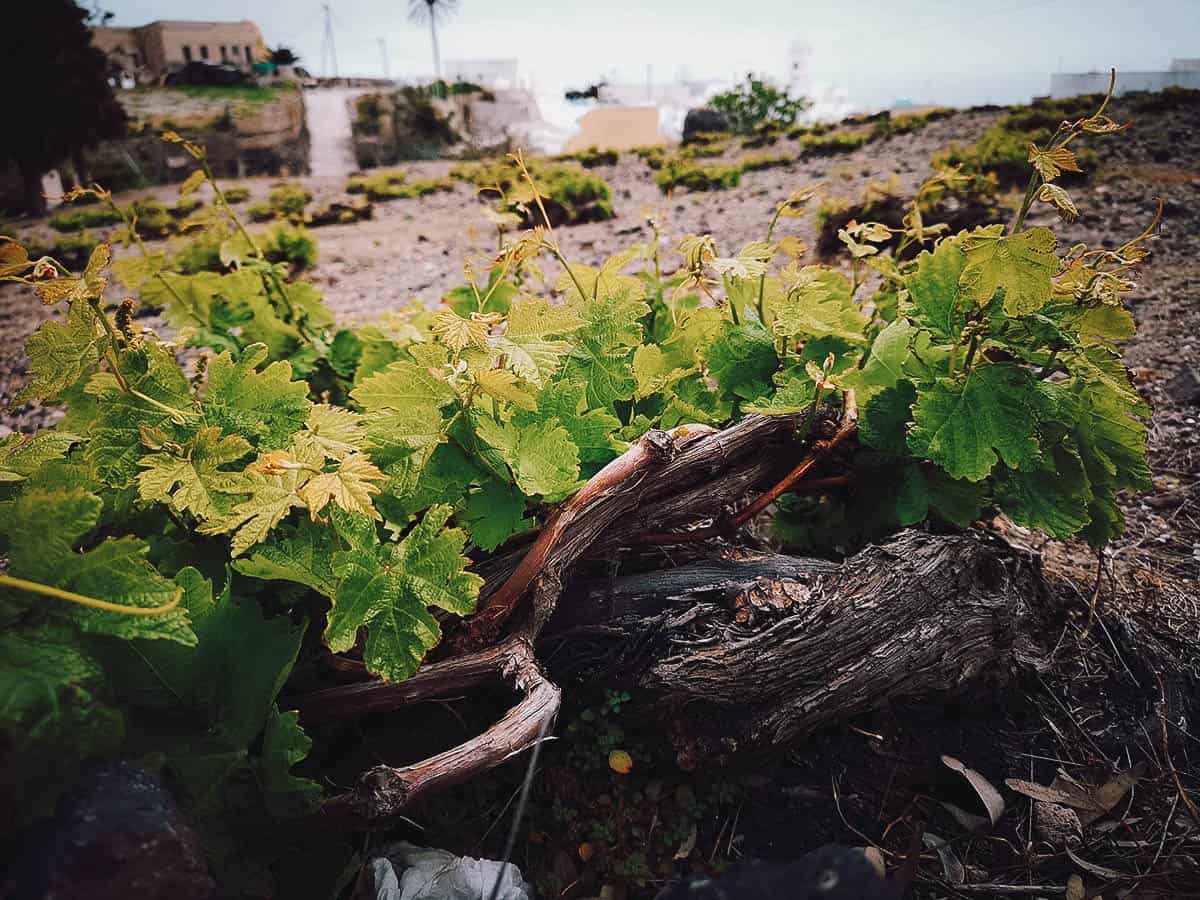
64,103
757,102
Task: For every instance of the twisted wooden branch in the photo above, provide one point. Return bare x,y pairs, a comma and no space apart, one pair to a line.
385,792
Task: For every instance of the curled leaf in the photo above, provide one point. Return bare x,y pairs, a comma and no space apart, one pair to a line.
992,801
1060,200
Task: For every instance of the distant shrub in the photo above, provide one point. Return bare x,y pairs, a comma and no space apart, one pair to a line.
393,184
757,101
262,211
570,194
72,250
290,244
185,206
1003,150
833,142
705,146
339,213
289,200
590,158
237,194
756,161
678,173
151,218
81,217
655,157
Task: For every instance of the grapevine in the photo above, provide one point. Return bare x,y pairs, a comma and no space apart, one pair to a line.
287,484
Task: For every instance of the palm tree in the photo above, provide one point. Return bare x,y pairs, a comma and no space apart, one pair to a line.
420,11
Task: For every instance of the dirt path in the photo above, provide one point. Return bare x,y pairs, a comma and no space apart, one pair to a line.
327,111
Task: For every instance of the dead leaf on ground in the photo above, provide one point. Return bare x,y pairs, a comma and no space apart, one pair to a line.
1091,802
992,801
1095,869
952,868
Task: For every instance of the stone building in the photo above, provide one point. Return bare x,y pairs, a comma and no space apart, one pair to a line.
148,52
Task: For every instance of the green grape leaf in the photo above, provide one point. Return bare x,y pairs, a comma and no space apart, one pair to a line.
300,553
22,455
885,416
188,481
265,406
820,306
387,587
135,271
688,401
1054,498
44,527
272,494
115,432
54,715
1105,325
590,430
607,375
422,478
795,392
742,361
966,424
331,431
60,353
925,490
1102,369
1022,264
932,301
533,343
542,457
284,745
350,486
885,362
494,513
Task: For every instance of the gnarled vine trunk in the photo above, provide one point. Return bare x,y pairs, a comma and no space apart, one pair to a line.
739,651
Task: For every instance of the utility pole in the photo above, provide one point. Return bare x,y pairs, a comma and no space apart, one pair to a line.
383,54
328,50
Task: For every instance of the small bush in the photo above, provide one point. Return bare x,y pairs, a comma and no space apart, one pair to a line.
237,194
705,146
655,157
393,184
185,206
201,254
289,200
151,218
81,217
696,177
590,158
570,194
290,244
758,161
834,142
755,102
1003,151
262,211
338,213
72,250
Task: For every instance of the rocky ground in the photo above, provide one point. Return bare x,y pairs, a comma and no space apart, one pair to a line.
1095,709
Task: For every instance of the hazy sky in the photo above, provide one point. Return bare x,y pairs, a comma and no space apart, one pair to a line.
947,51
